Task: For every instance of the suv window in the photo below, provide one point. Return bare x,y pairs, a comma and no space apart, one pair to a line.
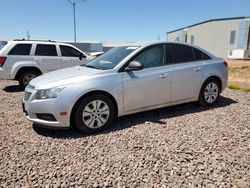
178,53
68,51
20,49
151,57
46,50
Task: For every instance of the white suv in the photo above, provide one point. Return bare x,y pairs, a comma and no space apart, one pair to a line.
24,60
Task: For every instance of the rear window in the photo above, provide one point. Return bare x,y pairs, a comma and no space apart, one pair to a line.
178,53
20,49
2,44
45,50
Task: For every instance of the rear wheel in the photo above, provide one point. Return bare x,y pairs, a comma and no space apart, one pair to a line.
209,92
94,113
26,76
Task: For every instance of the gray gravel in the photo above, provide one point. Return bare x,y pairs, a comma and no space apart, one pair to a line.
181,146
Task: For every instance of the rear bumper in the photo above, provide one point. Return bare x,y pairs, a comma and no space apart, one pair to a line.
4,74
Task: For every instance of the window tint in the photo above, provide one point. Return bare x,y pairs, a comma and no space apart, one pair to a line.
20,49
178,53
46,50
68,51
151,57
199,55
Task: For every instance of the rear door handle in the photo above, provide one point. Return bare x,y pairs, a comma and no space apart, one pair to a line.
164,75
197,69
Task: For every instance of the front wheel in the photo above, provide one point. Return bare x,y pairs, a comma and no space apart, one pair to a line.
209,92
94,113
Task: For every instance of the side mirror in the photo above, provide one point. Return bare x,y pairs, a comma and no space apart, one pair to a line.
133,66
81,56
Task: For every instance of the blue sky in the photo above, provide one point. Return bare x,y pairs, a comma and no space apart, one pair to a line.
110,20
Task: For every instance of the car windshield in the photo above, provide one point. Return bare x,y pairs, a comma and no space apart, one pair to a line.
111,58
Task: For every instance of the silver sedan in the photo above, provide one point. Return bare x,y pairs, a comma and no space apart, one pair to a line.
123,81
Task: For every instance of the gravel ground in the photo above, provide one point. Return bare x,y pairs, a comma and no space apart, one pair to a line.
181,146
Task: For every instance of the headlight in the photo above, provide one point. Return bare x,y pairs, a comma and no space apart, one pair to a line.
49,93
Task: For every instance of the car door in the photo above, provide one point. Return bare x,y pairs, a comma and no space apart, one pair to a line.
150,86
46,56
70,56
187,72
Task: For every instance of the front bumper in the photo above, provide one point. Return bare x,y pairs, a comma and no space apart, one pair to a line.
32,107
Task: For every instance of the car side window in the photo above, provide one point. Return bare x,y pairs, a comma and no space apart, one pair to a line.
151,57
68,51
178,53
45,50
20,49
199,55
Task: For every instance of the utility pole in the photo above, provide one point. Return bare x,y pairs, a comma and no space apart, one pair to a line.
74,12
28,35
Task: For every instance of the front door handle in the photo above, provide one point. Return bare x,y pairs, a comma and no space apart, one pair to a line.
197,69
164,75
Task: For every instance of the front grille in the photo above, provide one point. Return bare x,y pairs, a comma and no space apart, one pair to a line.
27,96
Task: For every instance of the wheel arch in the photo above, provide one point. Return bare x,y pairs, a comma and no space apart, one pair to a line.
22,69
92,93
216,78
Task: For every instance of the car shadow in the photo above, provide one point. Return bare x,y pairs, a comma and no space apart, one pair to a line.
153,116
13,89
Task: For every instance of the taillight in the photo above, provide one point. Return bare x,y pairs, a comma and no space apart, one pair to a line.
225,63
2,60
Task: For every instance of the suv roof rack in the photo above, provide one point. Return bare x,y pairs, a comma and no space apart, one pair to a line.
34,40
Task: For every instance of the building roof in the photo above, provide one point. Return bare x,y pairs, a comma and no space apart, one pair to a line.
212,20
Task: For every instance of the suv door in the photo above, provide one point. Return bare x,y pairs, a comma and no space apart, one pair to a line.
70,56
150,86
187,71
46,56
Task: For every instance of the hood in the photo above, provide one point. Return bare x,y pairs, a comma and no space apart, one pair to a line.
63,77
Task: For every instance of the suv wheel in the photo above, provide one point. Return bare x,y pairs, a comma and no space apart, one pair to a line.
26,76
94,113
209,93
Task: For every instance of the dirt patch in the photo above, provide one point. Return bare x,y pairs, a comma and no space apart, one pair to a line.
238,63
239,72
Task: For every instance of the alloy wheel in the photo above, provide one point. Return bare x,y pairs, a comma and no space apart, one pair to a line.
96,114
211,92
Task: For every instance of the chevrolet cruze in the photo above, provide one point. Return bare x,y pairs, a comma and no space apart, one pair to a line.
122,81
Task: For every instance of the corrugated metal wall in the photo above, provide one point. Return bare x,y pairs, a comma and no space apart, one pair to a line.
213,36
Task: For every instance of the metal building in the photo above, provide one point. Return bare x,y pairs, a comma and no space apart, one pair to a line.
227,38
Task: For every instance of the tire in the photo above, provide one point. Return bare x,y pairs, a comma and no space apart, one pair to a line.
209,92
94,113
26,76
